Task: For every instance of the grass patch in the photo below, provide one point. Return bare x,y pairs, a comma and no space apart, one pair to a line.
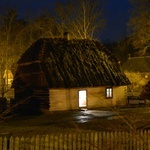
69,121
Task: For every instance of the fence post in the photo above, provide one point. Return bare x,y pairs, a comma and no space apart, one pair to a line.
42,143
5,143
65,141
47,142
70,141
145,136
111,140
84,140
95,140
16,142
22,143
56,141
51,142
124,140
100,140
27,143
148,136
118,140
87,141
32,145
11,143
74,144
78,141
61,141
91,141
37,143
1,142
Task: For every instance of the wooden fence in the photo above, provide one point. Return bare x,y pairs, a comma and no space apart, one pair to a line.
80,141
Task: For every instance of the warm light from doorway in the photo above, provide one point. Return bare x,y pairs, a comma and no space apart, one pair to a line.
82,98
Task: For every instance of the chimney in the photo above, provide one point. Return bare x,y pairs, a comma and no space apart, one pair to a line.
66,36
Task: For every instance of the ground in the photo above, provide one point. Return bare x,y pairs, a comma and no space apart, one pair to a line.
79,120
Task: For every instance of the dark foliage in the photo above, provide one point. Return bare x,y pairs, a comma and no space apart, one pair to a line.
31,107
3,104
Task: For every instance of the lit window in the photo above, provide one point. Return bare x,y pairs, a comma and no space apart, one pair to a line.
109,93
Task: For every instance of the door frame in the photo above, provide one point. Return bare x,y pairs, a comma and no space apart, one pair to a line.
82,98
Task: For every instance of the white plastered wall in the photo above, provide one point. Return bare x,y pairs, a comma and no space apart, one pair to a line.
67,99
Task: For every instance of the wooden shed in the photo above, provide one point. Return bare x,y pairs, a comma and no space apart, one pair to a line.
138,70
62,74
138,65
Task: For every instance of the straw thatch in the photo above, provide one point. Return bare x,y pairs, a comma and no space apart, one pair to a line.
62,63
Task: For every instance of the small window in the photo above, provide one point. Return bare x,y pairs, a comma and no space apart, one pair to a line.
109,92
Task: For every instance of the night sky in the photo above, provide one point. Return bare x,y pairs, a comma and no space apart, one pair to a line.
117,13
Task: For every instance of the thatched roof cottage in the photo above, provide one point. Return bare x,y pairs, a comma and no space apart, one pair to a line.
62,74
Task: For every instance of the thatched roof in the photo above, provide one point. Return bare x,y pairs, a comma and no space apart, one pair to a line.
137,64
66,63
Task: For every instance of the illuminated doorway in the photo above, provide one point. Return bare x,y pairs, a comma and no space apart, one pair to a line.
82,98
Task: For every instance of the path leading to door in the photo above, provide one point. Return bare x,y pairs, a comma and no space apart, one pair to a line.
87,115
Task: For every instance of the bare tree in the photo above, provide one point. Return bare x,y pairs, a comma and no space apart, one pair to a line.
6,45
140,25
43,26
81,18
